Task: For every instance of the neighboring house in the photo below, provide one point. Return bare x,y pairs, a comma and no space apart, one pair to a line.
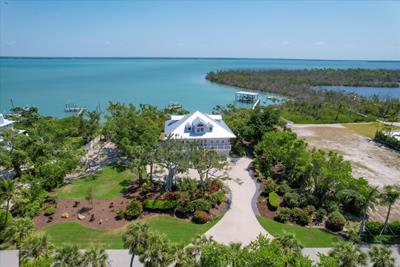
4,123
209,130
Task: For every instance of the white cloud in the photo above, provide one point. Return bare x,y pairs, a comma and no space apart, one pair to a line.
320,43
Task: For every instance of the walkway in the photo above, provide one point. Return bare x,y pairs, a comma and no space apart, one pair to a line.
239,223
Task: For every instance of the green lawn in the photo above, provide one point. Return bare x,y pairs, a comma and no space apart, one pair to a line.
179,231
106,184
82,236
366,129
308,237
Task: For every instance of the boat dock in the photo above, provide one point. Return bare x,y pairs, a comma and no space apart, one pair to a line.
74,108
246,97
258,101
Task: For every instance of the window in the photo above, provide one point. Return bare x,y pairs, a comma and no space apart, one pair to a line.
189,128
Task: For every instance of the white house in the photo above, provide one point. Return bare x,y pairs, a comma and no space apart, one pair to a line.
210,130
4,123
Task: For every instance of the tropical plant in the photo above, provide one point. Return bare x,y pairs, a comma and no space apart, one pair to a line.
68,256
18,231
289,243
335,221
36,246
348,254
8,192
95,257
159,252
133,210
136,239
388,197
381,257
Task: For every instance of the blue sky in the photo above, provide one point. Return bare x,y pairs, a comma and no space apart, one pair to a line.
260,29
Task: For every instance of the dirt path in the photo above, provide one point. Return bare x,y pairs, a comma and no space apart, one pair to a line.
379,165
239,223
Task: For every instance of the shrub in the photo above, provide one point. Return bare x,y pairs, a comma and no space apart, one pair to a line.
373,228
201,204
335,222
283,215
270,186
171,196
220,196
395,226
321,213
49,211
283,188
310,209
184,209
133,210
157,204
214,185
189,186
200,217
292,199
147,186
119,215
31,209
300,216
273,201
51,199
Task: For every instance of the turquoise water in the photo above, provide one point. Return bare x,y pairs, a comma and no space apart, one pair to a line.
51,83
381,92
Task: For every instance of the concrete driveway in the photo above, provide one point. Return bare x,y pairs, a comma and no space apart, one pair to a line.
239,223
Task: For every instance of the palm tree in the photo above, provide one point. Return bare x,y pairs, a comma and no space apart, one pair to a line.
381,257
235,254
95,257
388,197
348,255
18,231
67,256
289,243
34,247
8,192
370,201
136,239
159,252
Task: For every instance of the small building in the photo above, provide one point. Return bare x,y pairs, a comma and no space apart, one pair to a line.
247,97
209,130
4,123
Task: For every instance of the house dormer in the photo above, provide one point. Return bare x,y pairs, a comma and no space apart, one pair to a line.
199,126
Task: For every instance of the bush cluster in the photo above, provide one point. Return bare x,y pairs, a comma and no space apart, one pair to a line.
133,210
374,228
157,204
335,221
297,215
50,210
387,140
273,201
201,217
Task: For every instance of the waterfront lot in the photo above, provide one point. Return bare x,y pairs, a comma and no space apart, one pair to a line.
378,164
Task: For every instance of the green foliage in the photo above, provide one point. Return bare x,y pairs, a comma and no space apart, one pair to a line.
381,257
201,204
348,254
157,204
3,216
119,215
373,228
200,217
273,201
321,214
300,216
184,209
335,221
270,186
283,214
49,211
307,105
133,210
388,140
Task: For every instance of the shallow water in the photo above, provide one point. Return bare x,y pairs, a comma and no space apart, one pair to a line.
51,83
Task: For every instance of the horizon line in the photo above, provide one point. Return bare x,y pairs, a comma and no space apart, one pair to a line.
199,58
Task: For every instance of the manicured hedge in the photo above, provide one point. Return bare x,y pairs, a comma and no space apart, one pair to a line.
273,201
335,222
375,228
157,204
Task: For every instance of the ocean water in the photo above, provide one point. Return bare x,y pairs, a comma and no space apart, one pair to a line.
51,83
381,92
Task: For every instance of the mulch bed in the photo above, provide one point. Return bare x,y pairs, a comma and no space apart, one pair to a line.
263,208
103,210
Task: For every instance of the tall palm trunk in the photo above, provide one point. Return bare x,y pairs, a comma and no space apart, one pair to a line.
385,225
7,210
133,256
151,172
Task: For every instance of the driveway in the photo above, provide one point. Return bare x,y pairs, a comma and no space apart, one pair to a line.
239,223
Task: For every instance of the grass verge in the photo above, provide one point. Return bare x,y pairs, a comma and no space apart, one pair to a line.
308,237
106,184
177,230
